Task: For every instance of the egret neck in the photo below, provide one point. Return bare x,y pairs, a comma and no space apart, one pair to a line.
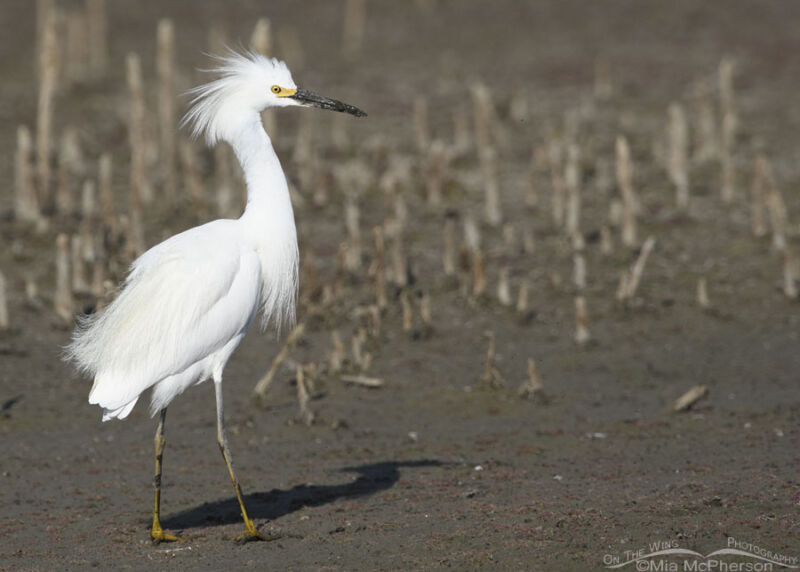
268,218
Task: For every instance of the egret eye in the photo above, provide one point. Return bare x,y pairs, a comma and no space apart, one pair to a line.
276,89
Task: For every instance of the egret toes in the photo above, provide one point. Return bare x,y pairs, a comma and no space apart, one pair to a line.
158,536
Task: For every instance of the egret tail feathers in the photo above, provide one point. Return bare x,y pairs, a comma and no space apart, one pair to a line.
119,413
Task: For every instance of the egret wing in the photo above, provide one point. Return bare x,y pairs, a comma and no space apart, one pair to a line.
183,300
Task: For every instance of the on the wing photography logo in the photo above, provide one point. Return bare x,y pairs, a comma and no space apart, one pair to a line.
668,556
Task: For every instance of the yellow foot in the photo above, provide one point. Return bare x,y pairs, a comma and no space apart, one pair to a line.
251,533
159,536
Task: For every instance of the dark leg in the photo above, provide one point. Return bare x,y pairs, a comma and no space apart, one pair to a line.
250,530
156,533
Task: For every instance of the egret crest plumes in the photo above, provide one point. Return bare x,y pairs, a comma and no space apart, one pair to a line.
245,84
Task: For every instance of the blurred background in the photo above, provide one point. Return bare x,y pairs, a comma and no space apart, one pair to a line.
548,301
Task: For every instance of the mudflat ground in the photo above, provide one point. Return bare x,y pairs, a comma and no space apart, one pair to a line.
435,470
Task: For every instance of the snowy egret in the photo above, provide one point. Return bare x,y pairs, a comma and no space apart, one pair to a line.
188,302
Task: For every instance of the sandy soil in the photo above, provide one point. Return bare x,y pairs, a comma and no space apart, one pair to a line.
432,470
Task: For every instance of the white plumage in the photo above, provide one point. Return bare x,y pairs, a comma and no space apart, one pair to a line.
188,302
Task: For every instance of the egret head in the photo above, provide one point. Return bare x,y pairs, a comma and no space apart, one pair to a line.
248,84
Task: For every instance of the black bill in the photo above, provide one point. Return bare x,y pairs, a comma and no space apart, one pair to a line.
311,99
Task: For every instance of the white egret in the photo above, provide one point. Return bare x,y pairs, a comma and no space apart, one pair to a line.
188,302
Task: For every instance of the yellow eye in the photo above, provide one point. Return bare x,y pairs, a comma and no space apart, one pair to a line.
276,89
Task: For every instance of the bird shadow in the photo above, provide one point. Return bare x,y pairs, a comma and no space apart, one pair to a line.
373,478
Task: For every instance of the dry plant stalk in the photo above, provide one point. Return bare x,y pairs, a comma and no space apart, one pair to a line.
140,191
758,194
261,43
729,127
582,335
88,201
261,39
374,314
789,274
26,201
579,270
421,130
135,243
352,216
304,144
361,359
4,320
532,387
355,16
522,299
776,208
48,78
688,399
92,246
380,268
338,355
436,170
630,281
97,36
625,184
702,294
491,377
572,175
678,154
263,384
488,160
606,242
557,184
425,310
306,415
727,98
615,212
80,284
165,68
483,115
449,250
503,288
62,300
104,176
364,381
472,235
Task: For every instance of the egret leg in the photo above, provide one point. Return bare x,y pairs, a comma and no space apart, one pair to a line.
250,530
156,533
